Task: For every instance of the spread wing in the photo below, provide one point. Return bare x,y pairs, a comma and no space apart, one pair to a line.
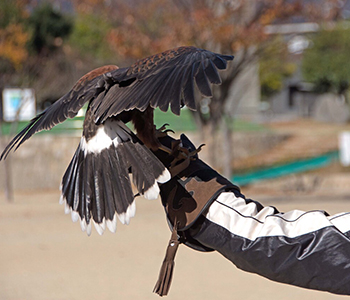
160,80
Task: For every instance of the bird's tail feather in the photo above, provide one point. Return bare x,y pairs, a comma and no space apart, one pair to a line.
96,187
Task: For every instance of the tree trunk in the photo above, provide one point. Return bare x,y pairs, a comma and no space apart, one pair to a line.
213,145
7,169
226,149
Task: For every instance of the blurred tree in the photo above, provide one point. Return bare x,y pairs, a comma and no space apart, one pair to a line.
274,67
89,36
31,47
326,63
49,27
13,38
13,52
11,12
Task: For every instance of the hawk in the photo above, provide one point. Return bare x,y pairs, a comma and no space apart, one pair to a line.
96,187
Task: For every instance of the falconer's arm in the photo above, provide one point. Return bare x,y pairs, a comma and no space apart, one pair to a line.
306,249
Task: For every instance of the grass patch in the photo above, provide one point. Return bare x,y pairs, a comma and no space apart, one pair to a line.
182,123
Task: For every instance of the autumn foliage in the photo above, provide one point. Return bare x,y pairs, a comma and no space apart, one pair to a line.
12,44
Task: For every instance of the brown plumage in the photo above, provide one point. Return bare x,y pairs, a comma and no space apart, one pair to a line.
96,184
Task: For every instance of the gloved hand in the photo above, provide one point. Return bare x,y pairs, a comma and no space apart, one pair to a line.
194,185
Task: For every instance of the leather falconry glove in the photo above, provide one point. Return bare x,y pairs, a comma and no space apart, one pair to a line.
186,197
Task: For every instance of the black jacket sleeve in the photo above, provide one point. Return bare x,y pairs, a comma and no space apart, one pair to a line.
307,249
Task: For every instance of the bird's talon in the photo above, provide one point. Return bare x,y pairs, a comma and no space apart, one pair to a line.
165,149
183,153
169,130
163,127
162,131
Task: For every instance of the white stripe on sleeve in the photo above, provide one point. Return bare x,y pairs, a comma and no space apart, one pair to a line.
242,219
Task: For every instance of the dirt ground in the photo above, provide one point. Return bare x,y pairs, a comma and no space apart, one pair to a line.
45,256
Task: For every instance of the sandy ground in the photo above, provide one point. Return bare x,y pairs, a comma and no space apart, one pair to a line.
45,256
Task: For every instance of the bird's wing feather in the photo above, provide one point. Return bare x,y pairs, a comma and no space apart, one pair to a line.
161,80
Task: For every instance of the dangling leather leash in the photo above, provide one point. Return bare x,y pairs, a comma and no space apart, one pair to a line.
166,271
182,160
